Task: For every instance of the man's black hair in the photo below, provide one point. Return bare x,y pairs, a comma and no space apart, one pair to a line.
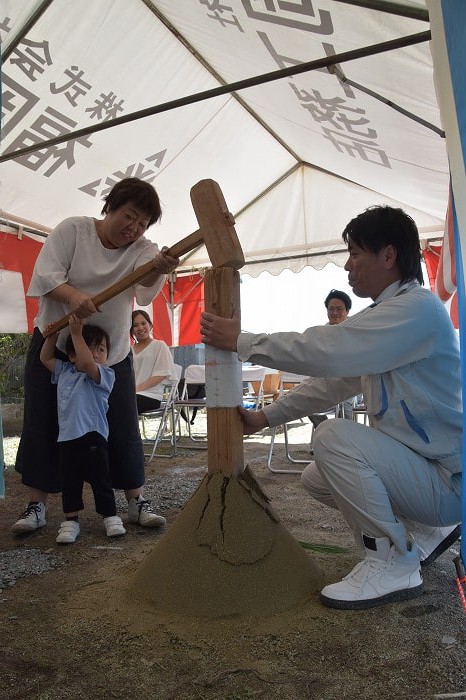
342,296
380,226
93,335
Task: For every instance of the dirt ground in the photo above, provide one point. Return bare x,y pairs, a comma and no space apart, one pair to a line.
77,631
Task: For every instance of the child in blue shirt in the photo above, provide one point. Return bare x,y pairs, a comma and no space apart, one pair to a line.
84,384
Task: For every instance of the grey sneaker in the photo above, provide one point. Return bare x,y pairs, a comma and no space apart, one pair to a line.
32,519
114,526
138,512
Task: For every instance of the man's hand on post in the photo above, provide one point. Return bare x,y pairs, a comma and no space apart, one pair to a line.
220,332
253,421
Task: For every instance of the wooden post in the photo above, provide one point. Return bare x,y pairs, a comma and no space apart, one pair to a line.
223,379
226,541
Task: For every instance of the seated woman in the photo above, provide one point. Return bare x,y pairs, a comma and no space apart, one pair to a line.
152,362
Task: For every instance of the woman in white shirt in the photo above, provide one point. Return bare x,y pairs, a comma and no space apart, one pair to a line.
152,362
82,256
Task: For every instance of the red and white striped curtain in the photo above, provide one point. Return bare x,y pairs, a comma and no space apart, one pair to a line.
176,311
18,253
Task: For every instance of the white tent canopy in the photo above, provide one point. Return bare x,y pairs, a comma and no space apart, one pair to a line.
296,158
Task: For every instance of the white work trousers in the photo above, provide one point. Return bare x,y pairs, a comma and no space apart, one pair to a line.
370,477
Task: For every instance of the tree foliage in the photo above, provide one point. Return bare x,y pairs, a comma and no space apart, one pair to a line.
13,349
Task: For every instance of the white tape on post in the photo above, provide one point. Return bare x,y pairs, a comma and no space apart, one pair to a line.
223,378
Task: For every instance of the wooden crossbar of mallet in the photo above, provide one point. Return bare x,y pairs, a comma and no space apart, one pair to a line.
216,231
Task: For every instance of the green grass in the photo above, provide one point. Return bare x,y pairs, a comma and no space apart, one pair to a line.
323,548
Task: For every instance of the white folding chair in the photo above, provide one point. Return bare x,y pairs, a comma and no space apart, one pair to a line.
163,418
360,411
337,411
253,396
194,374
288,381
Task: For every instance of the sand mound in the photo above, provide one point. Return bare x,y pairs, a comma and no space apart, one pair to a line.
226,554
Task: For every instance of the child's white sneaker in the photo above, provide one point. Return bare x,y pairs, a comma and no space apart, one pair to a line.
68,532
114,526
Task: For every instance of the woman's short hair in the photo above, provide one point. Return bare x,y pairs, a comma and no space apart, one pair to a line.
342,296
141,193
380,226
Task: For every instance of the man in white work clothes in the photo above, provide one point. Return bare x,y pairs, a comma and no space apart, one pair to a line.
397,482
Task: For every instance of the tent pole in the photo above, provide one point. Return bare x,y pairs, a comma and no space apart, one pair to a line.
13,220
27,26
343,79
392,8
171,286
325,62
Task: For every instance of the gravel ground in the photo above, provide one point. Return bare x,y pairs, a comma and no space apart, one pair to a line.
100,642
18,563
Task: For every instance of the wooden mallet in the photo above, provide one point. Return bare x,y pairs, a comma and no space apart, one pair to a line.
216,231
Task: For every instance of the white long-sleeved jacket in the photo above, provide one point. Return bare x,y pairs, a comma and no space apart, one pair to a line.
402,353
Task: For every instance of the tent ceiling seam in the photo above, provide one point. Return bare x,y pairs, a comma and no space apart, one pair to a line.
210,69
311,166
253,201
268,189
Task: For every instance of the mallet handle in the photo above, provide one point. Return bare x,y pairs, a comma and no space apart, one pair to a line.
177,250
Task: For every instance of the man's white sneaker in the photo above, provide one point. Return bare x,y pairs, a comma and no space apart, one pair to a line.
431,541
32,519
138,512
384,576
68,532
114,526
